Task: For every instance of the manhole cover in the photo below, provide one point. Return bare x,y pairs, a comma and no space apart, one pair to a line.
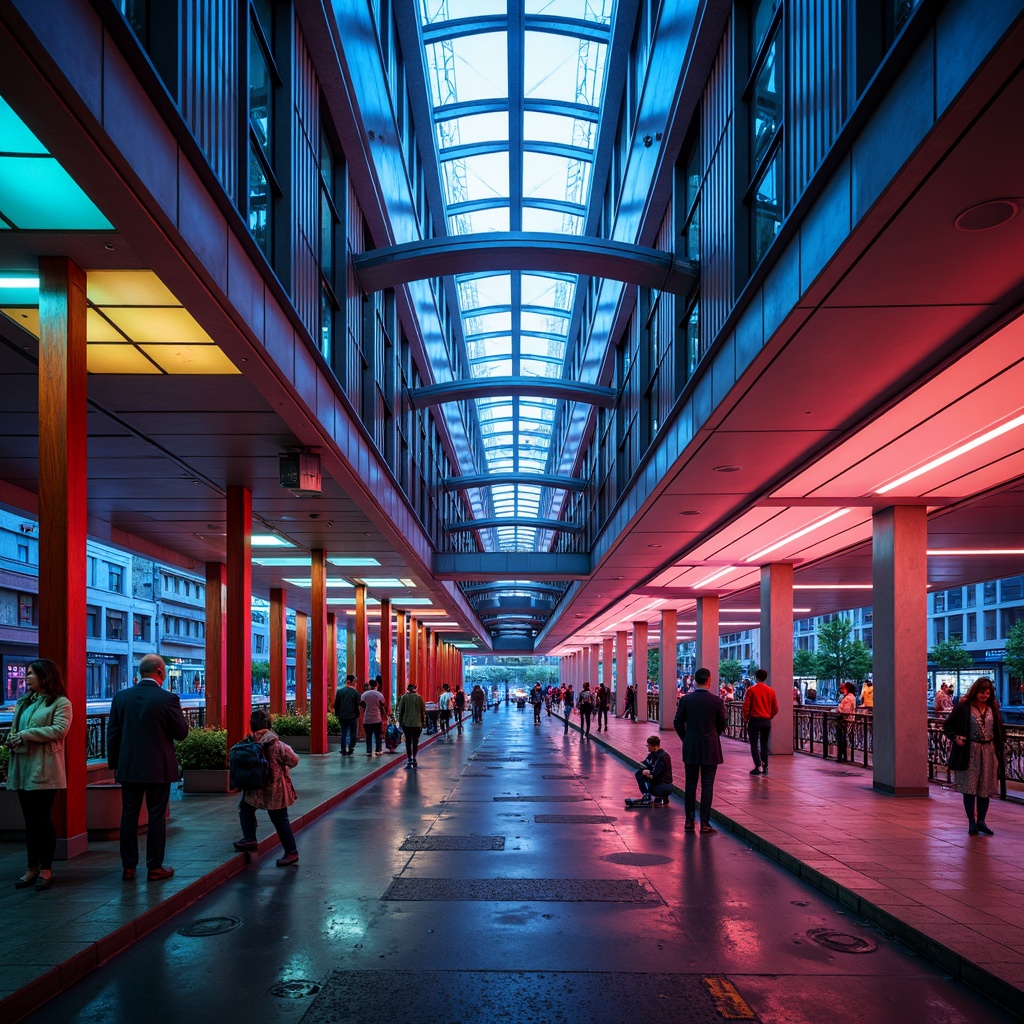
454,843
295,989
641,860
573,819
840,941
204,926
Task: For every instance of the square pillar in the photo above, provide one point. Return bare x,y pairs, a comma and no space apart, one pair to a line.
332,658
621,671
401,657
216,643
301,662
606,665
318,655
239,607
667,657
708,645
385,646
362,637
640,669
900,635
278,650
63,523
777,648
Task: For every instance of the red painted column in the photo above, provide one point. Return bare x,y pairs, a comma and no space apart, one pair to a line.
239,617
63,522
621,671
278,650
318,659
606,665
385,646
332,658
413,629
362,661
216,643
432,686
667,659
401,657
708,645
301,661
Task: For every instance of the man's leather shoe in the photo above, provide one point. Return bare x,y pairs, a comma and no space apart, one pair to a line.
159,874
690,825
706,830
128,875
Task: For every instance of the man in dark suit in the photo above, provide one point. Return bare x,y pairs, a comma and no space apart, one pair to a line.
144,721
700,720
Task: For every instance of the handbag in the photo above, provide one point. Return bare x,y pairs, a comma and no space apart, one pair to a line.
959,758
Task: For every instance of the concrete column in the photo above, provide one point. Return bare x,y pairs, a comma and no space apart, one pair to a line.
606,665
777,648
239,609
278,650
216,643
350,647
668,657
63,522
385,658
401,657
318,656
640,668
707,637
362,654
621,671
301,662
900,579
332,658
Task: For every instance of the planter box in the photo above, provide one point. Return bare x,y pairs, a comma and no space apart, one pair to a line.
300,744
12,824
209,781
103,811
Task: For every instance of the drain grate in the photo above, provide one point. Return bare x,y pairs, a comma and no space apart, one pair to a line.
523,890
543,799
527,997
637,860
427,843
839,773
565,778
204,926
573,819
840,942
297,989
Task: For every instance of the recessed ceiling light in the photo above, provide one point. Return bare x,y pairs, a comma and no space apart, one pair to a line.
694,511
654,545
986,216
727,469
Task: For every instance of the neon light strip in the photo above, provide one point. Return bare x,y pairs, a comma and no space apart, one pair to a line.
796,536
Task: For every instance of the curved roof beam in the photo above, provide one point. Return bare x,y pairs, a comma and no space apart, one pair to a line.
539,524
524,250
564,483
504,387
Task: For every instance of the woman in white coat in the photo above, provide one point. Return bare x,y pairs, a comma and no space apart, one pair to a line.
42,719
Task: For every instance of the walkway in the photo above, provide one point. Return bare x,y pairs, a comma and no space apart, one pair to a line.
907,865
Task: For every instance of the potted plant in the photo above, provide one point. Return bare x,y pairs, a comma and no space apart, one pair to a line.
103,810
295,729
11,819
203,756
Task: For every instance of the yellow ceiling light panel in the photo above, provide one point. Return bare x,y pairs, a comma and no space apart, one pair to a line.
190,358
23,316
127,288
102,358
98,329
165,324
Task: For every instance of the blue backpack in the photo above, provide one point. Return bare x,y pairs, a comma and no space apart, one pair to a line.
248,767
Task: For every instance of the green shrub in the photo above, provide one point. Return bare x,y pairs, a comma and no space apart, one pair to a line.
333,725
203,749
290,725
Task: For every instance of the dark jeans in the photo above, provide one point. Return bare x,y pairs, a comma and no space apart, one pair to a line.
478,712
445,719
536,713
156,795
278,818
602,716
412,740
40,835
349,734
373,732
706,774
759,731
658,789
568,715
585,714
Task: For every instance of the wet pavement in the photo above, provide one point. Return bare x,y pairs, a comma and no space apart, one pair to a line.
505,879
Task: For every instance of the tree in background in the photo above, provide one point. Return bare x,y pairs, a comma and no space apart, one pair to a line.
1014,657
730,671
805,664
840,657
261,677
951,654
653,664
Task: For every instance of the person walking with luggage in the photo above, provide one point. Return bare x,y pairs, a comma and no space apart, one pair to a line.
275,795
412,717
375,714
760,706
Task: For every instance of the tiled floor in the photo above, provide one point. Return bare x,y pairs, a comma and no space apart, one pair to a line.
907,864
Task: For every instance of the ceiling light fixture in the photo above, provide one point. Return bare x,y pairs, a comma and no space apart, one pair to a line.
833,586
990,435
976,551
810,528
714,576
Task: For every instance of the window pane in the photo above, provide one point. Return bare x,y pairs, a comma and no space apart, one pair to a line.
766,103
767,208
468,68
259,208
259,92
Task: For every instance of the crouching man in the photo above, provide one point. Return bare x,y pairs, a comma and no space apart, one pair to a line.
654,777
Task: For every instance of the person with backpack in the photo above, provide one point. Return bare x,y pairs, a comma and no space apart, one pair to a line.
460,705
276,794
586,709
444,709
568,699
604,700
412,717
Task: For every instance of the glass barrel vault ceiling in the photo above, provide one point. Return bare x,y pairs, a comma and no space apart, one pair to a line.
515,91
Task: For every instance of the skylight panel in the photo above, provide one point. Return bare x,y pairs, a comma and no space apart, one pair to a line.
468,68
493,368
487,323
470,129
555,177
535,219
540,368
565,68
479,222
475,178
599,11
542,323
569,131
475,292
547,291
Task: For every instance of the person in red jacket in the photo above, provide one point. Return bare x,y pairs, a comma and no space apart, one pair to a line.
760,706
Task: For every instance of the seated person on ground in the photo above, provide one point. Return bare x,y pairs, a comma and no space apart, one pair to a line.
654,777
